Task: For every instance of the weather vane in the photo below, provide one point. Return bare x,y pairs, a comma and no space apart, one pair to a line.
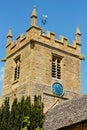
44,19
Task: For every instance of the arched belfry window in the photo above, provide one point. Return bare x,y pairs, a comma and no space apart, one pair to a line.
17,68
56,67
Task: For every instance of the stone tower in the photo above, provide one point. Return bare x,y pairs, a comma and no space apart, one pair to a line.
36,61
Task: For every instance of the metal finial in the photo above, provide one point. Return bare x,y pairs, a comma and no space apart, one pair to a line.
44,19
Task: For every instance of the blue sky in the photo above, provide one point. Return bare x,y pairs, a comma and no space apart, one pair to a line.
63,18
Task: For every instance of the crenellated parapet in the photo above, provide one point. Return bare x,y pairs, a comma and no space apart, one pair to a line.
35,34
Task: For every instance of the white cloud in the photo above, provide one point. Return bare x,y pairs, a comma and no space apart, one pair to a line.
1,73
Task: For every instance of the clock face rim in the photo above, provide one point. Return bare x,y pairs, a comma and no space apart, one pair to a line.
61,87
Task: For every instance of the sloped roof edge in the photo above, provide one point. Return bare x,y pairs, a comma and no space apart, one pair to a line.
67,113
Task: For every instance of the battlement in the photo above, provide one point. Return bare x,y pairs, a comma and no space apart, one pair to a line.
35,34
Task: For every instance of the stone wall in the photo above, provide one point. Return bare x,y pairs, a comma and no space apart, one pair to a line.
35,51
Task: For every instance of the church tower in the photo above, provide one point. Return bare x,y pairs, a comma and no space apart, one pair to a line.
42,65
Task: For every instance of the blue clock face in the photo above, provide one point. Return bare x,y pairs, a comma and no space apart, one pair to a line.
57,89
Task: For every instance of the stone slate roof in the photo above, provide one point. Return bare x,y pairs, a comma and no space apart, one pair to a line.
67,113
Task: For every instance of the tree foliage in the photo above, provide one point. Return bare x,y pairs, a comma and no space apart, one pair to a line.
22,115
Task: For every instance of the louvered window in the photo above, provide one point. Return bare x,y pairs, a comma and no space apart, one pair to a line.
17,69
56,67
